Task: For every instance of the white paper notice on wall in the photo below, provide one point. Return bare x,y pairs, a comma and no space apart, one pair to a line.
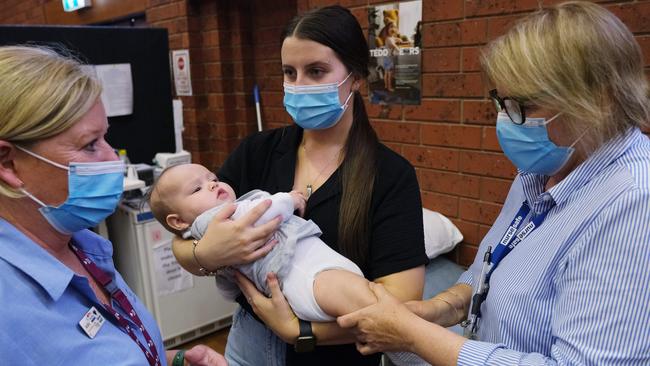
181,70
170,276
117,84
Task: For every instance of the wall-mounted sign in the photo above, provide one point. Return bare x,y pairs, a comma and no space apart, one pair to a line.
395,41
74,5
181,72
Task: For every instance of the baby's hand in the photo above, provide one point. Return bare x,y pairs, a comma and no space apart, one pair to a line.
299,202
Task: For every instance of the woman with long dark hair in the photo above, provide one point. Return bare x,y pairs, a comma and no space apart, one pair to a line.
364,197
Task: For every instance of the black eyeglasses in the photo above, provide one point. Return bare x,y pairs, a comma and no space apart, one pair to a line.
514,109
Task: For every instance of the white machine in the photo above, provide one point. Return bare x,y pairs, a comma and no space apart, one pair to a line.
166,160
186,307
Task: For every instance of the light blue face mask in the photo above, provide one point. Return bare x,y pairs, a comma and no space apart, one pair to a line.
94,189
315,107
529,147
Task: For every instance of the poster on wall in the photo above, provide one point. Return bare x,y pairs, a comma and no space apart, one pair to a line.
181,72
395,41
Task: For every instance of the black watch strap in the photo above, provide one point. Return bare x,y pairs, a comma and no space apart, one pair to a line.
306,341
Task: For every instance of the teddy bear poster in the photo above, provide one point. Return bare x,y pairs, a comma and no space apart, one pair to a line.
395,40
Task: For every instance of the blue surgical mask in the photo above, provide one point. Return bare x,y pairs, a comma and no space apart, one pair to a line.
529,147
315,107
94,189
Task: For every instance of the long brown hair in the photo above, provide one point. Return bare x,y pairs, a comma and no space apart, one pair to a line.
336,28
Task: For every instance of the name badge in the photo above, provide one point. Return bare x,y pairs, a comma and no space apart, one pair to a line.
91,322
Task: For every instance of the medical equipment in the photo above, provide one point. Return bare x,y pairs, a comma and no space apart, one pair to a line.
165,160
186,307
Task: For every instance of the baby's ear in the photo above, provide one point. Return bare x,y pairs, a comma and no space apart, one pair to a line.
175,222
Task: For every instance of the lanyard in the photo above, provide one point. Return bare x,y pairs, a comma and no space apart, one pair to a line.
116,293
510,239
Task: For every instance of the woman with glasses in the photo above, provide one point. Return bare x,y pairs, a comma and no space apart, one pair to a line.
563,276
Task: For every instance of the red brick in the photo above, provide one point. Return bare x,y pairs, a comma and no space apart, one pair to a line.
322,3
450,183
492,7
483,230
644,42
271,83
440,35
430,157
209,22
479,112
635,15
212,70
488,164
489,140
441,60
469,231
349,3
500,25
434,110
397,131
153,3
176,25
452,136
166,12
466,254
271,114
211,38
446,205
478,211
473,32
384,111
471,59
454,85
271,98
494,189
362,16
442,10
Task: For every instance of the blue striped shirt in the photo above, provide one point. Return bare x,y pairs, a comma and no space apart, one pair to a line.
576,291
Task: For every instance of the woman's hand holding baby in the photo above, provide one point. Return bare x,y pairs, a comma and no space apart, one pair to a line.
299,201
275,311
231,242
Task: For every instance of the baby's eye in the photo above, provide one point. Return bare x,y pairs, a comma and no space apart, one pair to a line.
196,189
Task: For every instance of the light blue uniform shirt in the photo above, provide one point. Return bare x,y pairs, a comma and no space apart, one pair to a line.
576,291
42,302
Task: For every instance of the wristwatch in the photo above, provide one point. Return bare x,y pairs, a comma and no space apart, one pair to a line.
306,341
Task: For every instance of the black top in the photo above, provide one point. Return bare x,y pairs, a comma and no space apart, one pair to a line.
267,161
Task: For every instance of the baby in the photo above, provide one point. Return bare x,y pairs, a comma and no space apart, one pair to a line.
318,282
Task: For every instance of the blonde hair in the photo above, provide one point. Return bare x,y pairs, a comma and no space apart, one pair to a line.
42,93
579,59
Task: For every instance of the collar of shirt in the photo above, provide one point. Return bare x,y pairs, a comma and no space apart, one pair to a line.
286,160
533,184
52,275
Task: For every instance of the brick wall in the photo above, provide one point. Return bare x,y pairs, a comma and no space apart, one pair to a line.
233,45
22,12
449,138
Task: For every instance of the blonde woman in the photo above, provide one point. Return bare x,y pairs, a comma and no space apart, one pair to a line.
563,276
63,302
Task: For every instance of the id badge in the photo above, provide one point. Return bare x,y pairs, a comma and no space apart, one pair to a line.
91,322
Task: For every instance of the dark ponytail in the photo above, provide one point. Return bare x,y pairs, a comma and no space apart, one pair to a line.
336,28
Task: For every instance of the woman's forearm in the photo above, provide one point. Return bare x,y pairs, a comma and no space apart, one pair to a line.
328,334
434,344
452,305
182,250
